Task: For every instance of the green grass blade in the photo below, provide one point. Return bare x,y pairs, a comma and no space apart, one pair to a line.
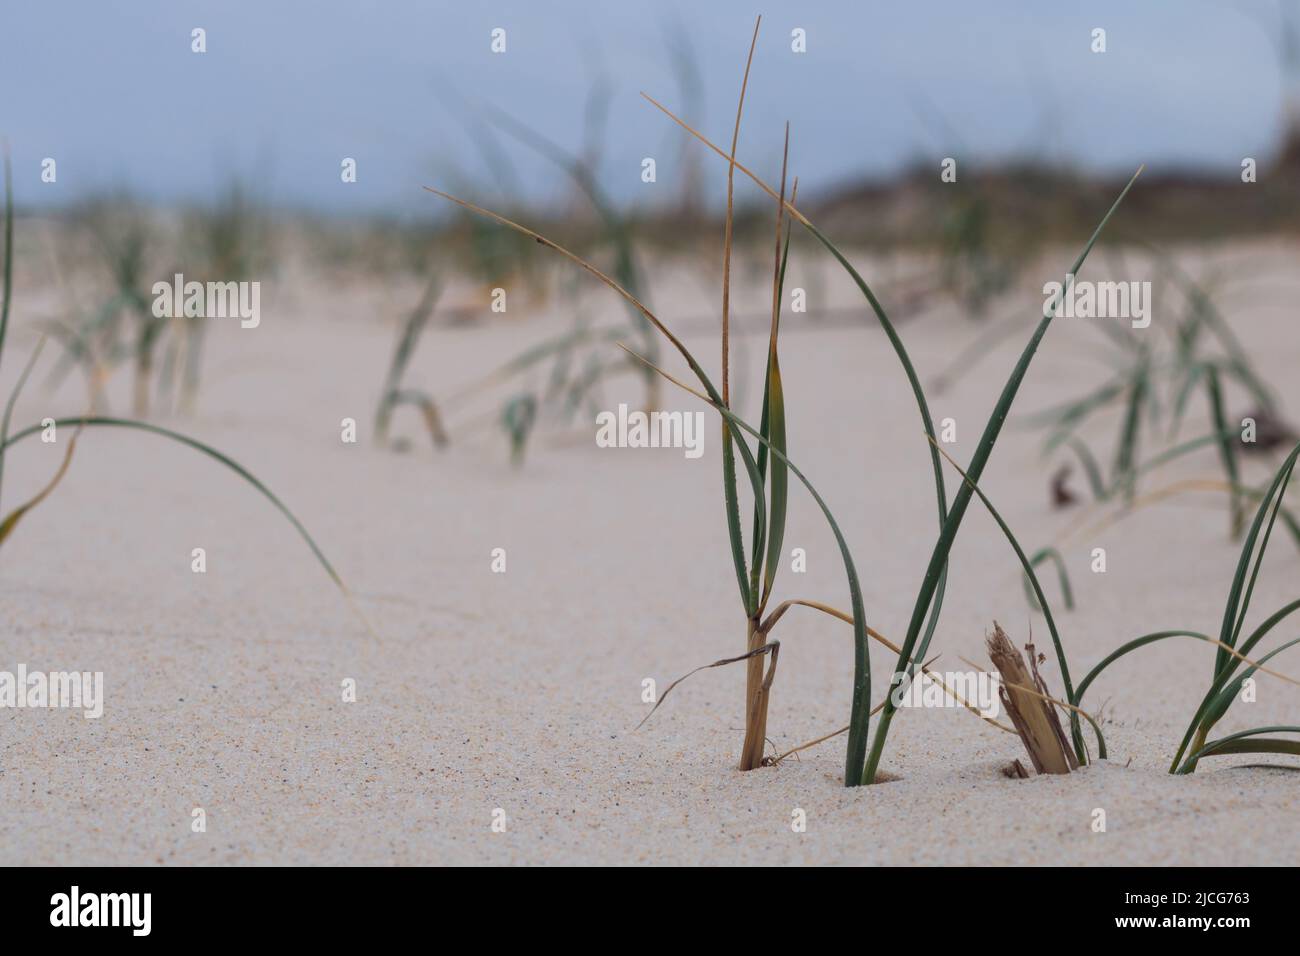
774,416
858,721
1053,555
1284,474
1037,593
779,480
1071,413
6,292
617,227
412,329
1235,607
1227,446
748,594
1124,475
1240,743
1128,648
1269,623
1177,451
1090,468
961,500
1181,399
861,704
729,490
9,523
1223,699
857,760
13,397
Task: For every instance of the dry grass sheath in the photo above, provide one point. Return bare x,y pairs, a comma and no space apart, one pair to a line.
1034,718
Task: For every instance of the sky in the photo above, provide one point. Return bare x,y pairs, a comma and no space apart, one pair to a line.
112,91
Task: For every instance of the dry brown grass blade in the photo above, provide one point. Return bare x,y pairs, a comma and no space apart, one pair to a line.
1259,667
11,522
728,229
789,204
1077,528
753,757
773,647
773,761
574,258
1052,700
875,635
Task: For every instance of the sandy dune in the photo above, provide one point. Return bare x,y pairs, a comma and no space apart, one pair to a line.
520,690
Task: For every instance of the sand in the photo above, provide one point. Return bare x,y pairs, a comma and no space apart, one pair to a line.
519,691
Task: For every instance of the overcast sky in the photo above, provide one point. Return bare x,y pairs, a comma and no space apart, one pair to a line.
288,88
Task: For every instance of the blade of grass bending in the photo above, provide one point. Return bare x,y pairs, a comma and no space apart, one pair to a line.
530,357
1193,376
617,227
899,350
1269,623
6,293
1090,467
1210,314
1239,602
861,707
1067,594
1223,699
1074,411
961,500
890,332
97,421
1128,648
733,510
1126,511
1234,744
9,406
412,329
1133,645
428,410
1178,451
1032,579
6,287
772,647
7,526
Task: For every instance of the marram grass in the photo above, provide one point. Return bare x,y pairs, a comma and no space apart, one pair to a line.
8,523
860,766
1227,677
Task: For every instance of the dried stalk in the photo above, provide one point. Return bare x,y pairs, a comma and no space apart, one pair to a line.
1034,718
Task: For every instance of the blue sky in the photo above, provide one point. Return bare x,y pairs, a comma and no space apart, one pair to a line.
113,92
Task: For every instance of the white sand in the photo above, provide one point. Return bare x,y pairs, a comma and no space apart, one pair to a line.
520,690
